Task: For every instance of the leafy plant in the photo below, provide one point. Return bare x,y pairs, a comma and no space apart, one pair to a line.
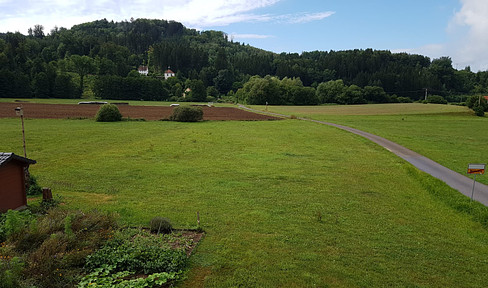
3,232
34,188
108,113
15,221
10,272
67,226
138,251
187,114
160,225
44,206
106,277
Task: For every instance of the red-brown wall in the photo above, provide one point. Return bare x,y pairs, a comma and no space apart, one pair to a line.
12,186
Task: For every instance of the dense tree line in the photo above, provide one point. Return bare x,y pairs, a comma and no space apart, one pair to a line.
208,65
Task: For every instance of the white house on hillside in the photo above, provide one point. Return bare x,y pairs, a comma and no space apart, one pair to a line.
144,70
168,73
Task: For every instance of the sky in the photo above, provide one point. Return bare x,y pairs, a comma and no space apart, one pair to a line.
434,28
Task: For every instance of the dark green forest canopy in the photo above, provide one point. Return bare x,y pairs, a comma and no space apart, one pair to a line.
56,64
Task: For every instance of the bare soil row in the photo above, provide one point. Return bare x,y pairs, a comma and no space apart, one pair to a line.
64,111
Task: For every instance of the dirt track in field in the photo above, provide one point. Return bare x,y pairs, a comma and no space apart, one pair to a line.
64,111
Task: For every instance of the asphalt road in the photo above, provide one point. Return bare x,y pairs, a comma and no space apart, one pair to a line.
457,181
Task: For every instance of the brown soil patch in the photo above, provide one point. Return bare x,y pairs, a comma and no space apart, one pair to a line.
195,238
73,111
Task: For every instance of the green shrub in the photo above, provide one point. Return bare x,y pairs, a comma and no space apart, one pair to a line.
160,225
479,111
34,188
404,100
53,246
187,114
108,113
474,101
59,243
3,232
436,99
16,221
478,104
10,272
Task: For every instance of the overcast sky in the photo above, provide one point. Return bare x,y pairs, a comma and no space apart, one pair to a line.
435,28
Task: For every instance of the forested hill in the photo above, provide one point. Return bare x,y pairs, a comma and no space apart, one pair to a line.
57,63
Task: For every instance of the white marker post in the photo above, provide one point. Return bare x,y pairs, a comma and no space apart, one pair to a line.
476,169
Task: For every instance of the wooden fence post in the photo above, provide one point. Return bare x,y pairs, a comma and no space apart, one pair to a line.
47,195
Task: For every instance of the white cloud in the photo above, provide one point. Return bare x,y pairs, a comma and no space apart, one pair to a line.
216,13
249,36
430,50
22,14
308,17
468,38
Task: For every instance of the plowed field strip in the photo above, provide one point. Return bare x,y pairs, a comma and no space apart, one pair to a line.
61,111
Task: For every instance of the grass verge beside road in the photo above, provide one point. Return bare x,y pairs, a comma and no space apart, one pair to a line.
449,135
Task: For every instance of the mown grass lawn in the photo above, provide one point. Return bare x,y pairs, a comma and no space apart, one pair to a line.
449,135
284,203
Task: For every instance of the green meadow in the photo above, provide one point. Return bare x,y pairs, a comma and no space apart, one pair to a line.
284,203
450,135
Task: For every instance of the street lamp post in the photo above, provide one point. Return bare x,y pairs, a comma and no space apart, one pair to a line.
20,112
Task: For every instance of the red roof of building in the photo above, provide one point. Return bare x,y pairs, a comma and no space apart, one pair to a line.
142,68
486,97
169,71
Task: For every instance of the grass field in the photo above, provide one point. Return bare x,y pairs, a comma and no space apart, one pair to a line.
449,135
284,203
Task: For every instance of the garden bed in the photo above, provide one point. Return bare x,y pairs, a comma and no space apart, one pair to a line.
84,249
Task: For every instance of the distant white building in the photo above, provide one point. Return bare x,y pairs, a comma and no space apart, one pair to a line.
168,73
144,70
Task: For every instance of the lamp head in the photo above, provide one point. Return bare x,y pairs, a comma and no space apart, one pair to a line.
19,112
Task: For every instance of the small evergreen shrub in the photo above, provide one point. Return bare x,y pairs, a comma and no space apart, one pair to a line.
108,113
160,225
479,111
34,188
187,114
